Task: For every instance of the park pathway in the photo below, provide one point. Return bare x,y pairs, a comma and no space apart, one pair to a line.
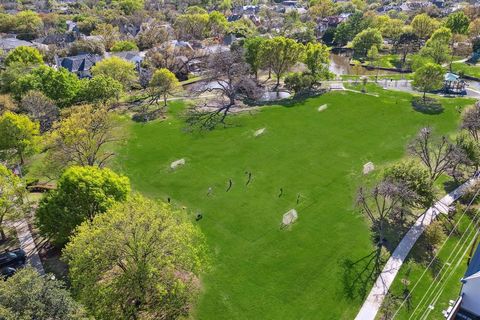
28,244
372,304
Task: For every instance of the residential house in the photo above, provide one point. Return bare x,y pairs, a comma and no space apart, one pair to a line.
80,64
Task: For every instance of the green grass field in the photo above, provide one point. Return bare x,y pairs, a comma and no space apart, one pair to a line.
260,271
467,69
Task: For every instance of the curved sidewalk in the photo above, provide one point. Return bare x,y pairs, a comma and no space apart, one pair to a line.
372,304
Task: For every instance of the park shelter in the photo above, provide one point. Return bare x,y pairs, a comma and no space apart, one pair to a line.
453,84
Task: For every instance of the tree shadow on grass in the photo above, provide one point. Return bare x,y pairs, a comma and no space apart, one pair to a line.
358,276
428,106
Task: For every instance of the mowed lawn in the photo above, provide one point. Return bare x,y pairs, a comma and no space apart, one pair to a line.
258,270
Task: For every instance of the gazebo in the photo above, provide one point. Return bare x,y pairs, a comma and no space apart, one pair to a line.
453,84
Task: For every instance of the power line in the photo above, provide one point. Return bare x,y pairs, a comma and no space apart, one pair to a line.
460,243
436,255
442,288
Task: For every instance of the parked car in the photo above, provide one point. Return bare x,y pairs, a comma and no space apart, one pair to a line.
13,258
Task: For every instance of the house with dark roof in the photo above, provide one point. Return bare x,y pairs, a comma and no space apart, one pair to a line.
467,306
80,65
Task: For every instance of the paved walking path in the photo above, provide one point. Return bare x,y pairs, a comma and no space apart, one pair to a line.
374,300
28,244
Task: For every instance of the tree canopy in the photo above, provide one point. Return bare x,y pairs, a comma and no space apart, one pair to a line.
139,260
24,55
27,295
116,68
82,193
18,136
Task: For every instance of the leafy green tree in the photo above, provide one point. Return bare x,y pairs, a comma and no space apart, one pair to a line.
458,22
81,194
365,40
321,9
28,295
437,48
118,69
18,136
191,26
24,55
130,6
428,78
423,25
59,85
7,22
343,34
139,260
81,137
28,25
253,57
346,31
416,178
124,45
11,197
217,24
163,83
280,54
244,28
317,58
299,82
102,89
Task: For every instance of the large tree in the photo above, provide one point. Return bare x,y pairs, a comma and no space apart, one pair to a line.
252,47
28,25
387,200
428,78
365,40
82,193
118,69
139,260
101,89
162,84
423,25
317,58
437,154
280,54
59,85
81,137
12,191
24,55
18,136
414,177
458,22
28,295
229,77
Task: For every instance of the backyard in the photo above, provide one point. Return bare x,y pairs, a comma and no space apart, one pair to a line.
305,159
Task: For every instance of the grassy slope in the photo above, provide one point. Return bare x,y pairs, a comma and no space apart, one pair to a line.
260,271
471,70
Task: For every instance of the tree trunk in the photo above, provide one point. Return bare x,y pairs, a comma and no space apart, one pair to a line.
424,97
165,100
2,234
